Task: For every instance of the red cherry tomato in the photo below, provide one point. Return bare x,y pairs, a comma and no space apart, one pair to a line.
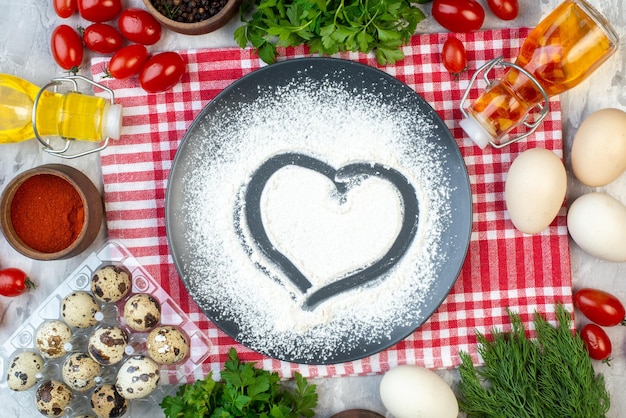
601,307
139,26
127,61
453,55
597,342
504,9
459,15
102,38
67,47
99,10
14,282
162,72
64,8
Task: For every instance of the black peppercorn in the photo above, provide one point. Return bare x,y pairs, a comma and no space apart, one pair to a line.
189,11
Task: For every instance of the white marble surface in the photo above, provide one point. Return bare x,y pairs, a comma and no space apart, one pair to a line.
25,28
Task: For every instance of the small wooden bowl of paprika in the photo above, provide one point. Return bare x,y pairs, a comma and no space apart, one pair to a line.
51,212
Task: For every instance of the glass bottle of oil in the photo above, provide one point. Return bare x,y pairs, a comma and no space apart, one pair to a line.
562,51
69,115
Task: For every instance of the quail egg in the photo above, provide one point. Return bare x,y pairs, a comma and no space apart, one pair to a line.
53,398
24,370
53,338
167,344
142,312
137,377
111,283
107,345
106,402
80,371
80,310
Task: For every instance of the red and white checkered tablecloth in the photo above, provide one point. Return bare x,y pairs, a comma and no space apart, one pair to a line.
503,268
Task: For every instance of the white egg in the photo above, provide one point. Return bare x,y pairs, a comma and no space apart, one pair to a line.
597,223
599,148
416,392
534,190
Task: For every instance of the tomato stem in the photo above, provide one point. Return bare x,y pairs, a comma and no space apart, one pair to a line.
29,284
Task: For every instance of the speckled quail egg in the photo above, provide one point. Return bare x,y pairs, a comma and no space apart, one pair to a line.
111,283
137,377
142,312
106,402
167,344
79,309
80,371
24,370
53,398
107,345
53,338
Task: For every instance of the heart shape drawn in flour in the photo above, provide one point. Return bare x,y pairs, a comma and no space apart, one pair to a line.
341,178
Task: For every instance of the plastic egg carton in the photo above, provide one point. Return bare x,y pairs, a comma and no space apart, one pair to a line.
113,253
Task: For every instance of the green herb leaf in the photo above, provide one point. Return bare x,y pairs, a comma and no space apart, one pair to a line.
243,391
329,26
550,376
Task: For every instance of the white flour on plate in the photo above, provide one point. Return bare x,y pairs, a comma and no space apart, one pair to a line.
228,275
325,237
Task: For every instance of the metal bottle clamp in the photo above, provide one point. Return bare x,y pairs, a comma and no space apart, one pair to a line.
543,108
56,82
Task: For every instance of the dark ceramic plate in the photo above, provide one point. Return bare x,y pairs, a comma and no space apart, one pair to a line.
203,146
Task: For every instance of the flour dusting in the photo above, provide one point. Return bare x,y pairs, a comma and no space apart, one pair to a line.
324,234
324,237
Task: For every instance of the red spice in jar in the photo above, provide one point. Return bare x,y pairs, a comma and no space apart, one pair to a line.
47,213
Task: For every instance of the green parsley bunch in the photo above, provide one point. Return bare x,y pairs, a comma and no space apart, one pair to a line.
329,26
243,391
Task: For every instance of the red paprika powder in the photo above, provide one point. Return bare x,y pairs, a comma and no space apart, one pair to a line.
47,213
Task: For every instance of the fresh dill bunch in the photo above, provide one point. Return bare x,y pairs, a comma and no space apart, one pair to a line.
550,376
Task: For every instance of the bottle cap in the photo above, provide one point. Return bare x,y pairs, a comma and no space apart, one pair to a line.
112,121
475,131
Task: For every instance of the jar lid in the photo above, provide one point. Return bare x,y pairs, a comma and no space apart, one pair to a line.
476,131
112,121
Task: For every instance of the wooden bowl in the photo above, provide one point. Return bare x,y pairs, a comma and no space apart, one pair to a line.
197,28
357,413
92,205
